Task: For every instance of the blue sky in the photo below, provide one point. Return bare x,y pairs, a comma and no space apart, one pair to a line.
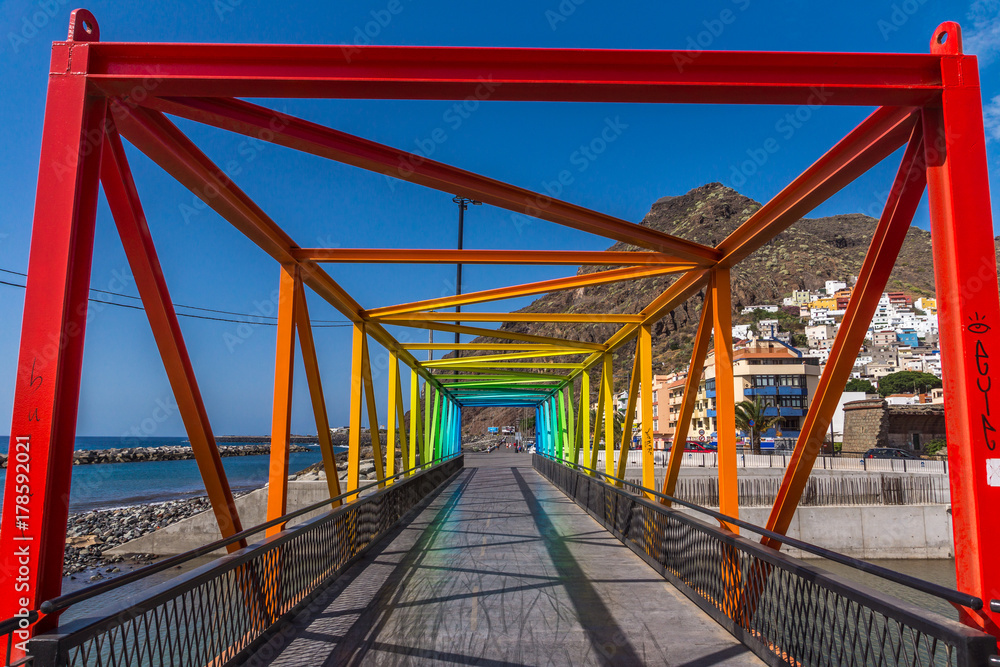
657,151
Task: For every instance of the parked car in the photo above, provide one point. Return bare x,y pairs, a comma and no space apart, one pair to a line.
698,447
889,453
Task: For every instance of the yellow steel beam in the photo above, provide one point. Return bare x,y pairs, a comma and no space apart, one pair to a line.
633,394
598,421
474,256
281,413
411,460
511,365
695,369
498,333
583,421
390,429
366,376
462,361
645,357
725,395
527,289
311,365
494,347
589,318
354,423
608,387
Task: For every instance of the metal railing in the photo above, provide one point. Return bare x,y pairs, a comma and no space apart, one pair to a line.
780,460
786,611
218,613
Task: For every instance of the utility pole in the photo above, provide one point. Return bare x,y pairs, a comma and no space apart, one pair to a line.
463,203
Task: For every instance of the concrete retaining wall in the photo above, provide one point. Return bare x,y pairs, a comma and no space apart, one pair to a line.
202,529
900,531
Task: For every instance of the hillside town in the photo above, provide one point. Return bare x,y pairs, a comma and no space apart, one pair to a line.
780,352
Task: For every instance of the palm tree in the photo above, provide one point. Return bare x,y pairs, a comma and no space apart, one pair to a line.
753,411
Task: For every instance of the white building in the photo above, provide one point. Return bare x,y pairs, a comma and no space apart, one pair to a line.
833,285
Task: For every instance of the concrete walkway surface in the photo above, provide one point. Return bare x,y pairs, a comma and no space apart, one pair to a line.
501,568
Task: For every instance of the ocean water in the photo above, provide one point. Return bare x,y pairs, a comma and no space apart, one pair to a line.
119,484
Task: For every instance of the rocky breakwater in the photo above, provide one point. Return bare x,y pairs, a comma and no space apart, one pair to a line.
89,534
165,453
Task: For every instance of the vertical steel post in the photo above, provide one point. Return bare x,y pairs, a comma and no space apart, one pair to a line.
47,390
311,365
725,398
570,425
598,421
583,435
644,354
281,411
373,430
965,274
390,424
404,441
426,454
633,392
435,443
415,420
357,389
608,389
560,424
695,370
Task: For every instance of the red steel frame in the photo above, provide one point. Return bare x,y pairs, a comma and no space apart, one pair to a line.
930,103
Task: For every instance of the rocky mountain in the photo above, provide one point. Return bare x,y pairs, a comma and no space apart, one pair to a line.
804,256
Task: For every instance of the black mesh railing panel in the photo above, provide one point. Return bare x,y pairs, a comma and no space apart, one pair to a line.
787,611
214,614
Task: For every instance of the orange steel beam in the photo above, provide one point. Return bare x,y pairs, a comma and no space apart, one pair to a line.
281,413
498,333
633,394
644,349
872,279
527,289
695,369
589,318
366,375
160,140
268,125
311,365
725,400
869,143
126,209
473,256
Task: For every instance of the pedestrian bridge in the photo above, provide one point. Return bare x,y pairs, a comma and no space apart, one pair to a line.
485,559
506,559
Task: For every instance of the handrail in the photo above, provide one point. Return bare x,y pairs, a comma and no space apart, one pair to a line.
943,592
69,599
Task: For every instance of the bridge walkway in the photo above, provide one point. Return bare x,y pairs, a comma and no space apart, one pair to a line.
501,568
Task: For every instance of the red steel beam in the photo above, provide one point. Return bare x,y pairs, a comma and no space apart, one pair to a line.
269,125
516,74
869,143
47,389
126,209
965,276
161,141
872,278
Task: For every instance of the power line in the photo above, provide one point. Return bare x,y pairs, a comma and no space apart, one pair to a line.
317,324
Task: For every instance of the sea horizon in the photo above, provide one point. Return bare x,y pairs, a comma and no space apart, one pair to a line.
111,485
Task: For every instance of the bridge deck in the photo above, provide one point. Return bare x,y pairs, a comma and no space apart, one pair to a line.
501,568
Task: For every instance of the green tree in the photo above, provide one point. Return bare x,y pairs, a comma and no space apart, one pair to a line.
753,411
854,384
905,382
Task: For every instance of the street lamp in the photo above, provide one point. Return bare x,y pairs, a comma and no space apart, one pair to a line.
463,203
